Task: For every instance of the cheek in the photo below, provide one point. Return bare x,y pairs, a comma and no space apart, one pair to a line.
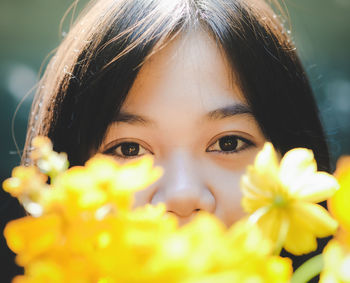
225,187
224,182
144,197
236,164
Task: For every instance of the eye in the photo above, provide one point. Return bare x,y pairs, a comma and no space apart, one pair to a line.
230,144
127,150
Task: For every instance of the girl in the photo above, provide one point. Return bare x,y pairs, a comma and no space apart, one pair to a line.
199,84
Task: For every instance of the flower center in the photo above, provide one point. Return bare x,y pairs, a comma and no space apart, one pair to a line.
279,201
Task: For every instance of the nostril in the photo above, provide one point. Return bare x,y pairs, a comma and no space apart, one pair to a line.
180,215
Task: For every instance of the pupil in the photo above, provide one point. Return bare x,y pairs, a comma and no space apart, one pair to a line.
130,148
228,143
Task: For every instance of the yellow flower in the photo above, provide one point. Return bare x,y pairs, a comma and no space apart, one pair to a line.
42,147
73,192
30,237
205,251
339,203
47,160
283,196
42,271
122,181
250,245
336,263
26,181
102,185
337,252
87,232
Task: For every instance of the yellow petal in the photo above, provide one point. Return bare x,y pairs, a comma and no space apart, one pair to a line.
271,222
42,142
21,279
339,203
92,199
102,166
76,179
299,241
335,255
307,221
137,175
13,186
45,271
31,236
296,164
253,197
315,218
340,208
343,169
267,160
279,269
265,183
42,147
316,187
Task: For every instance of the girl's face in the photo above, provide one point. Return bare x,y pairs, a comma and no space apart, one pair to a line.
188,113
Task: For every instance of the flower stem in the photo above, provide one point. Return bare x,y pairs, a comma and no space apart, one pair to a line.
254,218
282,235
308,270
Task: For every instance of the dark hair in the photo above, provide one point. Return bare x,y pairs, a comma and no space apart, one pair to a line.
88,79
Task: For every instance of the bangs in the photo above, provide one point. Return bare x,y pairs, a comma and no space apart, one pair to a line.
88,79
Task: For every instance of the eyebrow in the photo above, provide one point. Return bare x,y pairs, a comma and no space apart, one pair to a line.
229,111
217,114
130,118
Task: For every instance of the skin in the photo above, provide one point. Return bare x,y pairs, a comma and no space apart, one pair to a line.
173,112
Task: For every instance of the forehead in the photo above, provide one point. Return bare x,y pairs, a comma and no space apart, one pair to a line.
190,73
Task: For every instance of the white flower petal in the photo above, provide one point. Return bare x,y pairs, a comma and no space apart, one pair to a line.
296,164
316,187
267,160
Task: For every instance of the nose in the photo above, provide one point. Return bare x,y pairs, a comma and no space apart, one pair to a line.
182,187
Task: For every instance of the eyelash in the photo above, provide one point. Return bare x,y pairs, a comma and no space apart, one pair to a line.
238,139
112,150
247,143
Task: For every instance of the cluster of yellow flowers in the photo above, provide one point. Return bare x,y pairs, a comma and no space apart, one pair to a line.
82,227
283,196
337,252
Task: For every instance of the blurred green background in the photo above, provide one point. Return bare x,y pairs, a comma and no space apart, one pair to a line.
29,30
